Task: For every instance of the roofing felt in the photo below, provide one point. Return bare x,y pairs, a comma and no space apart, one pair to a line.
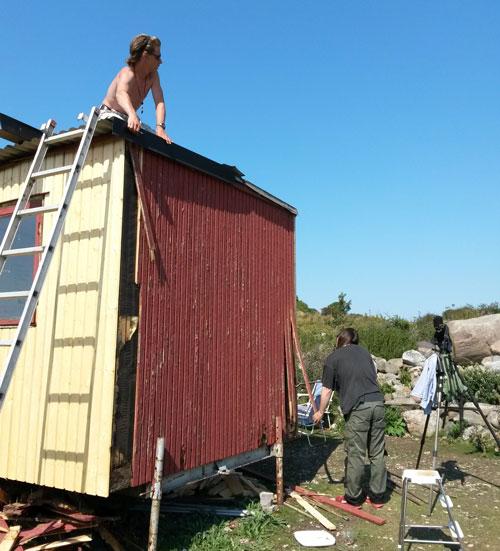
118,127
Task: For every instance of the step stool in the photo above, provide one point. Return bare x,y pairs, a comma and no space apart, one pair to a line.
427,478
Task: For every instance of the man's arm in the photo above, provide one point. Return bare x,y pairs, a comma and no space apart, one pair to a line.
123,98
325,399
160,108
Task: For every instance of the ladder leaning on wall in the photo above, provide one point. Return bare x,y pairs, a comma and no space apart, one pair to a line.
21,210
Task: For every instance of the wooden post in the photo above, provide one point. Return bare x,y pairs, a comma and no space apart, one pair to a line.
301,364
279,460
136,156
156,495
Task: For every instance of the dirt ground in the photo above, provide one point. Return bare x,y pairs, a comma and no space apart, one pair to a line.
471,480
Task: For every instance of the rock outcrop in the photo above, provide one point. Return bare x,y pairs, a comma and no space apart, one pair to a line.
475,338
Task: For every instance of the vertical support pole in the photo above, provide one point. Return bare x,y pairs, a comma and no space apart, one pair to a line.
279,460
301,364
156,495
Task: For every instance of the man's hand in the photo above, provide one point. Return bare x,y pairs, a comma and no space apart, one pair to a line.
317,417
134,124
161,132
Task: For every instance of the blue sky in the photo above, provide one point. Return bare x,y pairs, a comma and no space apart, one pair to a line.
378,120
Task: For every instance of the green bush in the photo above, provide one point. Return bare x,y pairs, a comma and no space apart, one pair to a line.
405,376
384,339
386,388
301,306
483,384
395,425
454,430
482,441
469,311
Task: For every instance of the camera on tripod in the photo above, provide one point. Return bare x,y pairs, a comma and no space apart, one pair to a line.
442,337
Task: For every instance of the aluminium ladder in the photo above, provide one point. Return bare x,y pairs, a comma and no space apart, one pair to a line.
22,210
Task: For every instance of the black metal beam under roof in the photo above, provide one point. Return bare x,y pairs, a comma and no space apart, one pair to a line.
16,131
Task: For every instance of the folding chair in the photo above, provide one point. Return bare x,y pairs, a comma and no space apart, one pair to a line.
305,413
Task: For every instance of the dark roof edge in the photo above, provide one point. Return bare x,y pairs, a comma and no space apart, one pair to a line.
16,131
175,152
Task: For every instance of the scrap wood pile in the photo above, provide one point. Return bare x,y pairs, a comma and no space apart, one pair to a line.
219,495
42,522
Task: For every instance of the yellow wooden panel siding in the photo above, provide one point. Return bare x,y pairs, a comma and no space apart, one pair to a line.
56,421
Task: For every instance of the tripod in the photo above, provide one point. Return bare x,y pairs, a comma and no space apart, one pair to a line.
446,367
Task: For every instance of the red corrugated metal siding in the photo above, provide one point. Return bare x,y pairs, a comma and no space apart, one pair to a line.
214,312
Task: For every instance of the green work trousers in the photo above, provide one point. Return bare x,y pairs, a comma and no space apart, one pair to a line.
364,433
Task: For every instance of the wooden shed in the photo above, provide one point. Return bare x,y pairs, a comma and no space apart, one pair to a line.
182,332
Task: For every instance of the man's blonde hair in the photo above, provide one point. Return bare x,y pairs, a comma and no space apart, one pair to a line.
141,43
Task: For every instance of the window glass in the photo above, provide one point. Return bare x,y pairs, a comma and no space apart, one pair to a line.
18,272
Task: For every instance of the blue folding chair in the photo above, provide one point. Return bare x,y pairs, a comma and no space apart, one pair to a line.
305,413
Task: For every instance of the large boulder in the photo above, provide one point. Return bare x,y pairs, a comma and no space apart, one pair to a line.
472,417
415,422
495,347
413,358
494,419
479,435
491,363
425,347
380,364
400,391
394,366
390,378
415,373
475,338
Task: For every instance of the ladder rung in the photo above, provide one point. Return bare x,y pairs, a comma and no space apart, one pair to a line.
38,210
52,171
6,343
26,251
14,294
64,136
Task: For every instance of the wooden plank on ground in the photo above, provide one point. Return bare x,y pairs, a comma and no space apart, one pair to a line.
61,543
10,538
345,507
311,510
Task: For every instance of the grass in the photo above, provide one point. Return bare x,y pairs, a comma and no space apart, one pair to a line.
208,533
471,479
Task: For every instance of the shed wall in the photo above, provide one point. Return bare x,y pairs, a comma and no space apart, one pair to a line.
215,309
56,421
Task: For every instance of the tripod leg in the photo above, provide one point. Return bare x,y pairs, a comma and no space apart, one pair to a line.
445,413
461,403
479,410
422,441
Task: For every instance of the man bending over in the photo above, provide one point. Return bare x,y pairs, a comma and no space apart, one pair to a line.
350,371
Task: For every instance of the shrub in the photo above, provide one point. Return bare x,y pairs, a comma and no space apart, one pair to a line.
337,310
394,423
454,430
384,339
483,384
301,306
469,311
481,439
386,388
405,376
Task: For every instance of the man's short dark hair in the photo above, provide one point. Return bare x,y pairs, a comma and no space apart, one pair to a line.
347,336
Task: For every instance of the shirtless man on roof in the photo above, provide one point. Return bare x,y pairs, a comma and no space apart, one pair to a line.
131,85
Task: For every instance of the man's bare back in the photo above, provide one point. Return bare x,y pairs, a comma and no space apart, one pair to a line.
131,85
